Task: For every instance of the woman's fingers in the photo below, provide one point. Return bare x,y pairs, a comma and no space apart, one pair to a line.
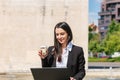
41,54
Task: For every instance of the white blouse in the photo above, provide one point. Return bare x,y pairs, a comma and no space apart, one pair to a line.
64,56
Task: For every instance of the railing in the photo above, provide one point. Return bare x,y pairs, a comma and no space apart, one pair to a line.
105,12
111,1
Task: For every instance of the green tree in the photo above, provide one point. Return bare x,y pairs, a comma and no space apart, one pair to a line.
93,40
111,43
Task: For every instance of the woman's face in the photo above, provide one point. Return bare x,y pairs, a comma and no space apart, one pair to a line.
61,36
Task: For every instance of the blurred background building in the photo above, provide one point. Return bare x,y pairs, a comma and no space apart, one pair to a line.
110,10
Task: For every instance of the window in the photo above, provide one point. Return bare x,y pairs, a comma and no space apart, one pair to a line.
119,12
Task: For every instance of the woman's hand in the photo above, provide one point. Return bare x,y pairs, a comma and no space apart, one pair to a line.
71,78
41,54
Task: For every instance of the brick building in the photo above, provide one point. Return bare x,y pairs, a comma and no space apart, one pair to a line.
110,10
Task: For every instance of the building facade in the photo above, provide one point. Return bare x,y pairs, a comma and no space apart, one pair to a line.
110,10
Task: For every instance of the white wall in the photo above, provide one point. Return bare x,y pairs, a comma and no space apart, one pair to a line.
25,26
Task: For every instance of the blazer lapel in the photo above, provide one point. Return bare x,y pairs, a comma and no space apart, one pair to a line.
69,59
54,63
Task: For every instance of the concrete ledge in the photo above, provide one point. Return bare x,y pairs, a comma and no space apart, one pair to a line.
103,72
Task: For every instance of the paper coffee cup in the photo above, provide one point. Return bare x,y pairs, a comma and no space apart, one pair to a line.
43,49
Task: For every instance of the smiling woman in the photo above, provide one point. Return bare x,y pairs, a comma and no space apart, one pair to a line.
64,54
62,36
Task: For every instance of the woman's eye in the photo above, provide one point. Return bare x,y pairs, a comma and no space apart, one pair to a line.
62,33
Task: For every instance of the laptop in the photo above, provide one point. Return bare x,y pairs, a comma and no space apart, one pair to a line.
49,73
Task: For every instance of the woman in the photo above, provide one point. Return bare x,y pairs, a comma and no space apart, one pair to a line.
64,53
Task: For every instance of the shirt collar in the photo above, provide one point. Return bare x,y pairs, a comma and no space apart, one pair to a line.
69,46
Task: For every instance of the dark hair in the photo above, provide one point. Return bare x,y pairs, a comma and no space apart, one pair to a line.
57,45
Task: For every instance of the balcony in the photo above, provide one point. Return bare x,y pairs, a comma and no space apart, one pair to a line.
105,13
112,1
100,21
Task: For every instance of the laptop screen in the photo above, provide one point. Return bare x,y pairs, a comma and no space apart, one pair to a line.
48,73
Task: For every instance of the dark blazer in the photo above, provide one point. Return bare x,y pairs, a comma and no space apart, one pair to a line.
76,61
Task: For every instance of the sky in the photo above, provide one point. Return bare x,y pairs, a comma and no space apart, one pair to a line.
94,8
